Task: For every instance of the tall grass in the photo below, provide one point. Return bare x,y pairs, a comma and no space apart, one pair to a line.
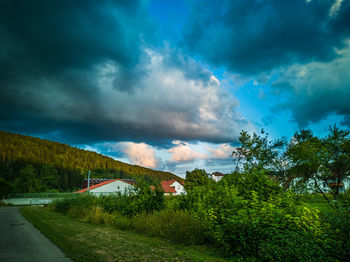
271,226
178,226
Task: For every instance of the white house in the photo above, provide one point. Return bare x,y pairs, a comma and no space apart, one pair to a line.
310,185
217,176
173,187
344,185
111,186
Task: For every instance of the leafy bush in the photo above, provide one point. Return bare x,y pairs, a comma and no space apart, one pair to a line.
146,200
256,181
254,222
138,200
121,222
339,230
290,245
6,188
118,202
177,226
141,199
81,201
96,215
313,198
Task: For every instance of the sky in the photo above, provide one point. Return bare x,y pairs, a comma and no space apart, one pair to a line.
170,84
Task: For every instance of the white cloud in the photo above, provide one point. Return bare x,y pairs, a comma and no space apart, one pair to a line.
91,148
164,99
177,105
215,80
182,152
178,159
223,151
139,153
333,12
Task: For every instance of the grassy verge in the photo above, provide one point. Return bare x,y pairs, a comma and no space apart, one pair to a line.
88,242
322,207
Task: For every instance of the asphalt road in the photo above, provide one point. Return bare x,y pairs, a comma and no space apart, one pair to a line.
21,241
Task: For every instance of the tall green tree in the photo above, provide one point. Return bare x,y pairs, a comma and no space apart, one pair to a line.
49,177
321,163
258,152
27,182
6,188
196,178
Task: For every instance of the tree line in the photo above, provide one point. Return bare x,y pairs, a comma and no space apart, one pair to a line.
29,164
306,163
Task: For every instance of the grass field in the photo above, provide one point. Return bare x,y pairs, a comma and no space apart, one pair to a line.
89,242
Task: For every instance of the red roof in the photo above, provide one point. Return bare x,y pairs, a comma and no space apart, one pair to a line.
218,174
166,186
101,184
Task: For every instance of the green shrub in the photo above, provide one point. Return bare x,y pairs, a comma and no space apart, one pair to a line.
178,226
313,198
339,231
121,222
6,187
253,222
290,245
256,181
142,199
116,202
80,201
96,215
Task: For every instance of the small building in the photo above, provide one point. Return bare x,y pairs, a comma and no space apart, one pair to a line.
108,187
95,181
217,176
173,187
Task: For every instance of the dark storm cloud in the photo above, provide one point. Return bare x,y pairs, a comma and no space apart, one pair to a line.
49,37
55,35
88,71
317,89
48,50
253,36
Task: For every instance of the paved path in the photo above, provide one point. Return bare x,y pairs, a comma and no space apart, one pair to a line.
21,241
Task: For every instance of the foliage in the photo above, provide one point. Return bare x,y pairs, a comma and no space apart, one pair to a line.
256,222
306,163
81,201
27,182
59,166
256,180
246,215
321,163
339,231
87,242
141,199
257,152
178,226
6,188
48,177
195,178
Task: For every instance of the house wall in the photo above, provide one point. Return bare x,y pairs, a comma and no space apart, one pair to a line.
217,178
180,190
116,186
323,186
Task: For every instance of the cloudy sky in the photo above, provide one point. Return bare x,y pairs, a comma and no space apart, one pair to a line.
169,84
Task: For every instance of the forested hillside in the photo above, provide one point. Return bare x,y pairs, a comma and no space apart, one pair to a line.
29,164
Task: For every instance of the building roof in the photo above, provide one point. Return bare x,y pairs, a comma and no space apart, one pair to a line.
166,185
218,174
102,184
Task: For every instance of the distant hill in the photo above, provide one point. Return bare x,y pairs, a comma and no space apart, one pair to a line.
30,164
